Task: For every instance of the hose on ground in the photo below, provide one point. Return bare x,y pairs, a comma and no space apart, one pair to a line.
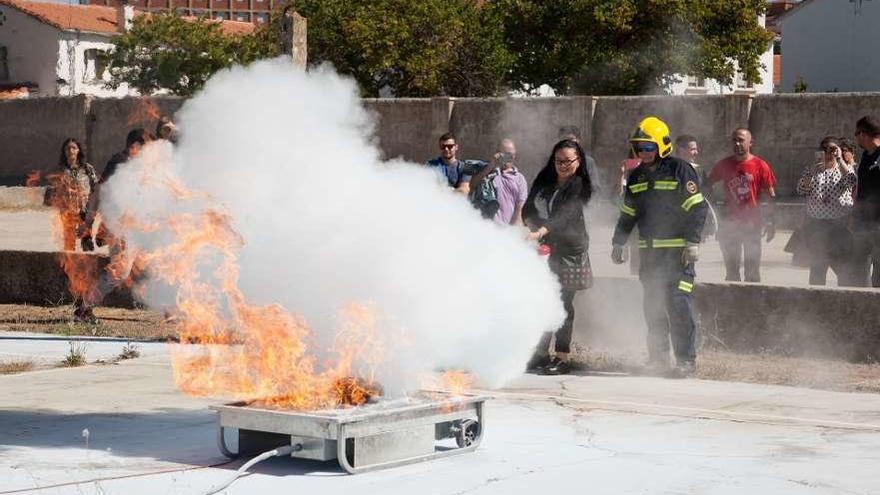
280,451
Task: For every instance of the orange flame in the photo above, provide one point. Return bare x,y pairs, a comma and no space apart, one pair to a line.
262,354
82,275
144,113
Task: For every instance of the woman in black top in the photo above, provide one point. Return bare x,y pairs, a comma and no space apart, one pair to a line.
554,213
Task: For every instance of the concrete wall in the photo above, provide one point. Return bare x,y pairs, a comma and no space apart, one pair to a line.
110,119
31,133
710,118
533,124
832,45
787,128
37,278
792,321
409,127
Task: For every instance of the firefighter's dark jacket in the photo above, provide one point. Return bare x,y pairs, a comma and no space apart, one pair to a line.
665,203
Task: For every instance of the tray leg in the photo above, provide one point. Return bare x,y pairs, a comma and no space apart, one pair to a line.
342,449
221,443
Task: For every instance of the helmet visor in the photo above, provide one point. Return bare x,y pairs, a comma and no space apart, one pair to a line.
644,147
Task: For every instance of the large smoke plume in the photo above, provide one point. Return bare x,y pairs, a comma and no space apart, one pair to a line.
290,157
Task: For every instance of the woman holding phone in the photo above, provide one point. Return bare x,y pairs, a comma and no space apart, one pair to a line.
828,185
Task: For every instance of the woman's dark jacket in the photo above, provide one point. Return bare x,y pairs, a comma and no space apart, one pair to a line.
567,231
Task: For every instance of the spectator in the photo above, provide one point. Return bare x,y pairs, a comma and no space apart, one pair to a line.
457,173
573,133
509,188
828,186
866,215
70,193
134,141
848,153
744,177
554,214
687,149
165,129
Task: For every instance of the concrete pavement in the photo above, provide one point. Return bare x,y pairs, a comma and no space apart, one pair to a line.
595,433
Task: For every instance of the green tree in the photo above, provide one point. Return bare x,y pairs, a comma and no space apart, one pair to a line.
410,47
166,51
630,46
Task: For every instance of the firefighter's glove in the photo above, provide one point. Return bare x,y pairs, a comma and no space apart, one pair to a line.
87,244
617,254
691,253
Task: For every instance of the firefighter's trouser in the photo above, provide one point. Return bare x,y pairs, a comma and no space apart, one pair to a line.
668,286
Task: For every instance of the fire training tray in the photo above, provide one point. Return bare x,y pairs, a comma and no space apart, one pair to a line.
364,438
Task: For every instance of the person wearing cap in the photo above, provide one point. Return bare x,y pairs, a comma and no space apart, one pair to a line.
663,199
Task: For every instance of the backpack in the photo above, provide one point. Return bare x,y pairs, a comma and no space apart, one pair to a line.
484,197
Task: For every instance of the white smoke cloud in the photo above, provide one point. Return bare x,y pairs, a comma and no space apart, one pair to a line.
325,222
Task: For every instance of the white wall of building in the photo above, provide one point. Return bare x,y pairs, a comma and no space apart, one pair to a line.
79,70
32,49
832,45
45,55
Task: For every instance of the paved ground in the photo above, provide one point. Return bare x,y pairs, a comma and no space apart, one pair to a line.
30,230
594,434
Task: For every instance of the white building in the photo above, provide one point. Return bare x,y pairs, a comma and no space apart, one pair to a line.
831,45
52,48
696,85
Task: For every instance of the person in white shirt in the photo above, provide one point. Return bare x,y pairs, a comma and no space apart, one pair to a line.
828,186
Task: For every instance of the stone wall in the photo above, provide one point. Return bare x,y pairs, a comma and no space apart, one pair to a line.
37,278
787,127
533,124
110,119
747,318
31,133
709,118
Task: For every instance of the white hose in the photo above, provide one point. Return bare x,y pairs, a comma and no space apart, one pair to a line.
280,451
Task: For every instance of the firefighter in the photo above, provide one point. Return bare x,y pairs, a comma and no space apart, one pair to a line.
663,199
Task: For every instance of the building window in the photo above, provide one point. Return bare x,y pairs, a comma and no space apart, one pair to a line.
242,17
4,64
221,16
94,65
741,82
261,18
696,82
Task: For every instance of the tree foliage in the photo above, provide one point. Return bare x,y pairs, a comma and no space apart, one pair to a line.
410,47
166,51
417,48
630,46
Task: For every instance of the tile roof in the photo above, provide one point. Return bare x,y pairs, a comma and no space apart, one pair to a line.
93,18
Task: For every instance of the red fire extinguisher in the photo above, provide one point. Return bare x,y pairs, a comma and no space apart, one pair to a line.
544,251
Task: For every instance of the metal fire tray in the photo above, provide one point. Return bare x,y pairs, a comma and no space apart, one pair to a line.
379,435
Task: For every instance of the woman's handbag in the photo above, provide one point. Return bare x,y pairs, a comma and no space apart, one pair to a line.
574,271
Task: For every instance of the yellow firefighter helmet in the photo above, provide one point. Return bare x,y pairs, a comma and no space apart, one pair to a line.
653,130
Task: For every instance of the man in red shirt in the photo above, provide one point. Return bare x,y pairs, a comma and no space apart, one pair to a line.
744,177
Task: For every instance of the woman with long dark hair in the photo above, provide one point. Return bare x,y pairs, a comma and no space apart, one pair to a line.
70,193
554,214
